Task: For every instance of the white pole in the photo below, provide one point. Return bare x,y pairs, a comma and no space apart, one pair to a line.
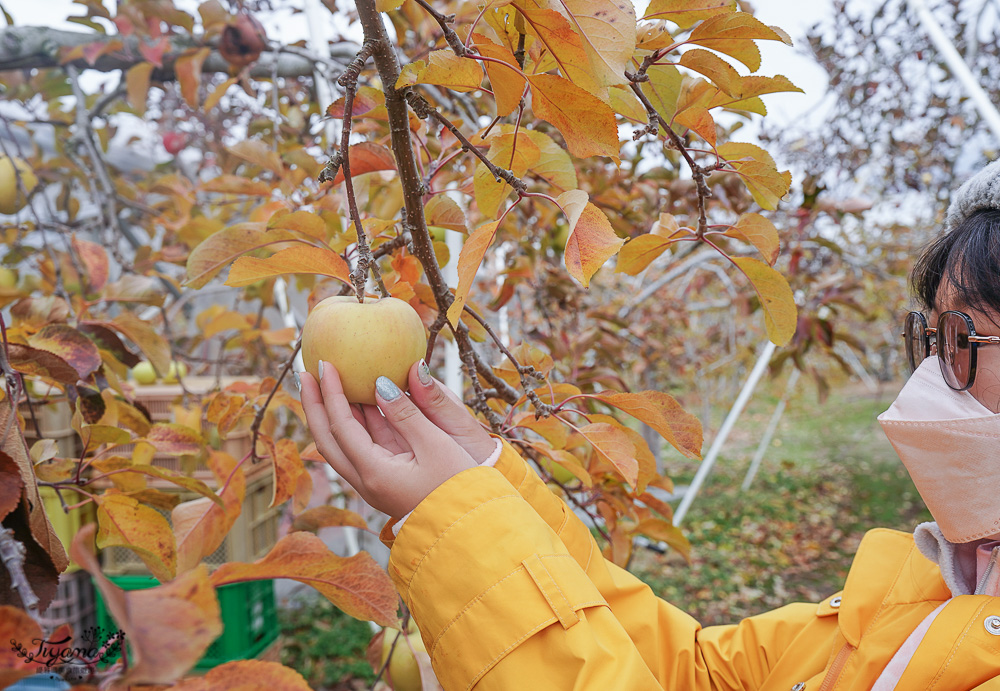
318,43
727,426
453,378
958,67
772,426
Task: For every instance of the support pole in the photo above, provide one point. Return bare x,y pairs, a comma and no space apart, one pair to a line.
727,427
772,426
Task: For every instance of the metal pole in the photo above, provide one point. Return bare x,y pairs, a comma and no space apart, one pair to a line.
958,67
772,426
727,426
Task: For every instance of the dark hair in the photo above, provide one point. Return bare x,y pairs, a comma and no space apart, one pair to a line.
969,255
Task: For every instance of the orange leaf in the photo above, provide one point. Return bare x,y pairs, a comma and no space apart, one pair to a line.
246,674
750,88
287,468
367,157
308,223
692,109
294,260
237,184
612,444
776,299
259,153
327,517
564,44
592,240
220,249
365,100
551,428
137,83
441,211
664,531
760,233
664,414
443,68
608,29
188,71
124,522
217,94
685,13
94,260
733,33
168,628
174,440
469,260
200,525
19,632
507,83
722,74
639,252
70,345
587,123
357,585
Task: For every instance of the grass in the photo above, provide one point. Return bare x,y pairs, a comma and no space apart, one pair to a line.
829,476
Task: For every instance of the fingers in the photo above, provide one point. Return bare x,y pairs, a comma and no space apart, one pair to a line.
380,431
349,433
319,425
423,436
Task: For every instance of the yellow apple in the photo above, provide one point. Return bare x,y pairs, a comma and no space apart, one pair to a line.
12,199
380,337
8,278
143,373
404,674
176,371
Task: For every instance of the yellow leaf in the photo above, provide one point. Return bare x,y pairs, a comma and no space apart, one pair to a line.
188,71
776,299
663,89
469,260
664,531
685,13
388,5
760,233
639,252
443,68
305,222
124,522
554,164
664,414
751,87
592,240
733,33
259,153
627,104
217,94
722,74
137,83
608,29
294,260
563,43
758,171
692,108
221,248
507,83
613,445
585,122
441,211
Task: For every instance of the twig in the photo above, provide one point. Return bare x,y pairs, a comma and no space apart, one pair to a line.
444,21
258,419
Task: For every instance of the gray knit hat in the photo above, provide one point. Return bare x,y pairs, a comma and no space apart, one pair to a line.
981,191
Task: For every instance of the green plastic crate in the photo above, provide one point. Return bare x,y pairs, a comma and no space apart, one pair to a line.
249,619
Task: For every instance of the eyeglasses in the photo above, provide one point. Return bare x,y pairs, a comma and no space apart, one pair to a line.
955,340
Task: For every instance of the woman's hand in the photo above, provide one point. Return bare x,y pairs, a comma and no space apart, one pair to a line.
392,454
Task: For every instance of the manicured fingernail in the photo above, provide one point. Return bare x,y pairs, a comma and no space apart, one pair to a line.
424,373
298,381
387,389
319,369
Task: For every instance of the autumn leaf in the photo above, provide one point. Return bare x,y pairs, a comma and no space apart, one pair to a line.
70,345
639,252
585,122
220,249
294,260
237,184
174,440
443,68
685,13
143,290
181,480
41,363
608,29
259,153
201,525
554,165
758,171
693,103
124,522
469,260
663,89
733,33
152,344
327,517
563,43
188,71
551,428
664,414
137,86
441,211
94,259
613,445
17,630
247,674
776,299
367,157
592,240
664,531
506,80
759,232
357,585
722,74
306,223
287,465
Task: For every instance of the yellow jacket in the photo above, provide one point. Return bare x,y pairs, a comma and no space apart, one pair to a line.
511,593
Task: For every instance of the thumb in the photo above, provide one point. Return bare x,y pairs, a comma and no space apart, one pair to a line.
407,420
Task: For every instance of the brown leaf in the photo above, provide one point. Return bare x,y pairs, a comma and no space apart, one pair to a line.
94,259
357,585
168,627
11,485
152,344
41,363
243,675
108,340
327,517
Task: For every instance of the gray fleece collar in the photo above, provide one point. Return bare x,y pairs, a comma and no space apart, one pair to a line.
981,191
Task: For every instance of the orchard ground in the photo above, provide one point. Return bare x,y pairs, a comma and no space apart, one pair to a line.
829,476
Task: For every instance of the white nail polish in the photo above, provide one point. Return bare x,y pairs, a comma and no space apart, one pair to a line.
320,370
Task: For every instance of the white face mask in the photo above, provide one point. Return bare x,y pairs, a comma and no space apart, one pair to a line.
950,444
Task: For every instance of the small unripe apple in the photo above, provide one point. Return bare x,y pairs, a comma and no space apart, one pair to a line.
380,337
12,199
174,372
8,278
404,673
143,373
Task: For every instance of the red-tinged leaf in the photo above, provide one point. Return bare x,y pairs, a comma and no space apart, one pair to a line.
776,299
294,260
551,429
70,345
287,465
686,13
722,74
639,252
152,344
20,634
153,53
614,446
366,99
89,402
41,363
94,259
469,260
443,68
246,674
441,211
168,628
11,483
585,122
237,184
143,290
592,240
219,250
659,529
217,94
259,153
564,44
124,522
733,33
506,80
313,519
188,71
664,414
760,233
137,84
174,440
200,525
357,585
367,157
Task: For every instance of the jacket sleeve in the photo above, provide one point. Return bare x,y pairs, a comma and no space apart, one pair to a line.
510,591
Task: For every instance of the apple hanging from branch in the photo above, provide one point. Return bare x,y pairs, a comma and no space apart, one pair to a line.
380,337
